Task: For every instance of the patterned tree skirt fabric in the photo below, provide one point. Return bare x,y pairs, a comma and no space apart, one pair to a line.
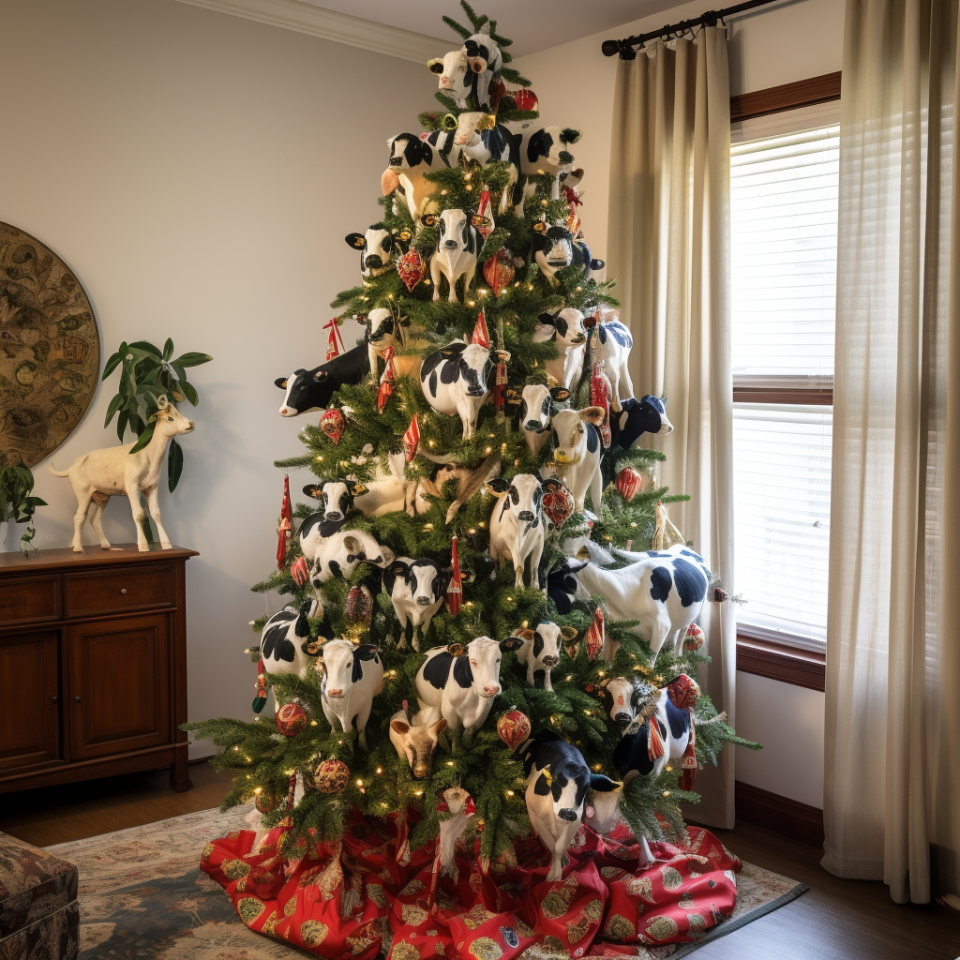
143,895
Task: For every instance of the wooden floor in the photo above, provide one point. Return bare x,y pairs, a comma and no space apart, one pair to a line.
837,920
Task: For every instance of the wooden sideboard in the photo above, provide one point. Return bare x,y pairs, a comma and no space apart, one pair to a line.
93,665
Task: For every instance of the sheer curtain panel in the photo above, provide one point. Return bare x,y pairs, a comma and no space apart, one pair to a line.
669,247
892,803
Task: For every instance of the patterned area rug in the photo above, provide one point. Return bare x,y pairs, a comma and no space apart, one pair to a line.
142,896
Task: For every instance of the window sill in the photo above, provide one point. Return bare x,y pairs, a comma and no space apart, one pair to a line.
777,661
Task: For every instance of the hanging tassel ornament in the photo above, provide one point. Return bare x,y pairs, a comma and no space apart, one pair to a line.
386,381
689,765
285,527
455,587
600,396
665,533
260,699
334,340
654,739
483,210
596,635
411,439
499,270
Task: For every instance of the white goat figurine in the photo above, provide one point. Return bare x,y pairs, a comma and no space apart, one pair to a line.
115,472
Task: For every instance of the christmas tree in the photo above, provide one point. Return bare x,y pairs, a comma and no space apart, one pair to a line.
459,463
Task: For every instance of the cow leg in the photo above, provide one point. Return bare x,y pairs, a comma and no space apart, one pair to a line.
547,679
468,276
435,276
415,636
518,570
402,617
362,717
96,521
596,491
535,554
615,388
136,508
83,506
508,190
531,672
626,380
153,502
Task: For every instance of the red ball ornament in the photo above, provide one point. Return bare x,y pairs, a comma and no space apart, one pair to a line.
629,481
412,268
331,776
525,99
265,801
291,719
693,640
333,423
514,728
499,270
558,505
359,606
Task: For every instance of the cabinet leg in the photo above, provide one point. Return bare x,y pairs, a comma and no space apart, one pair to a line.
180,773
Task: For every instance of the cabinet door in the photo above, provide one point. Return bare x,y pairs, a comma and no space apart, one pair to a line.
29,707
119,692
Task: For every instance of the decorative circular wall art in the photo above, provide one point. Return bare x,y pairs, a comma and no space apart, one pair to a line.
49,348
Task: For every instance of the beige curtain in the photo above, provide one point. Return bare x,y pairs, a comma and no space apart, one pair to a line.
669,247
892,798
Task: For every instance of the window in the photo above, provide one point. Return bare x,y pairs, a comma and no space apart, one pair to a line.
784,186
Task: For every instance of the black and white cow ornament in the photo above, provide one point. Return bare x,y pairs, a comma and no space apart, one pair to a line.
379,249
459,241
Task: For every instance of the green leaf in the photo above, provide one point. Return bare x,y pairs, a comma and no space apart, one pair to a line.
121,424
190,392
111,365
147,347
112,409
144,438
179,371
174,465
192,360
168,349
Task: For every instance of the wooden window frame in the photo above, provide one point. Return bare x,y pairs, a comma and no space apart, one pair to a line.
763,658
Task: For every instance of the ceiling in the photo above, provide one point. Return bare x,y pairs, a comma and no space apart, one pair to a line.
532,24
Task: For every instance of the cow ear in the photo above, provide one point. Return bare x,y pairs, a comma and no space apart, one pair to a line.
551,484
513,395
477,65
540,227
398,726
355,488
511,643
320,375
497,487
593,415
560,394
398,568
435,65
450,351
313,490
547,319
603,784
366,651
355,240
527,634
439,726
281,383
428,220
568,633
352,544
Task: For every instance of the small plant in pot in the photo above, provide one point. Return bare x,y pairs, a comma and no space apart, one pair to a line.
16,501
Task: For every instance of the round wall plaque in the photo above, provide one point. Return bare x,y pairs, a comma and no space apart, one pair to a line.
49,349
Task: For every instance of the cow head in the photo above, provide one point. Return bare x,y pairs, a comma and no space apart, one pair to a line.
382,327
522,496
337,496
484,657
342,665
456,230
424,580
169,421
553,246
408,150
537,405
637,417
546,641
377,249
454,72
624,700
418,743
473,364
470,125
297,387
562,584
569,327
570,433
603,798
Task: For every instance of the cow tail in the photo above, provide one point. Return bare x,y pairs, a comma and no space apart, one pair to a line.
302,628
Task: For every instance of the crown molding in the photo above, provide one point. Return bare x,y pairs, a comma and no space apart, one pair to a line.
330,25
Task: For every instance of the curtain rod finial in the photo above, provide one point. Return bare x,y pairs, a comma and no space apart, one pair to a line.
610,48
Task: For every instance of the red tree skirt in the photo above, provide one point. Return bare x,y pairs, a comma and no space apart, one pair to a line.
353,899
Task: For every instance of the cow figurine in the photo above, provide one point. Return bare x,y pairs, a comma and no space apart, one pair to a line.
458,246
337,557
467,74
306,390
416,741
555,248
411,159
479,137
633,756
537,405
559,784
578,447
469,481
116,472
459,804
378,248
540,652
517,526
352,677
418,589
464,684
566,329
343,497
454,381
285,644
613,341
637,417
664,592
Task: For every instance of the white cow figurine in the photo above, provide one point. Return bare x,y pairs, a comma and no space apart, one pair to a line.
578,447
538,404
454,381
540,652
116,472
458,246
566,329
336,557
613,342
416,741
517,526
285,645
463,685
352,677
418,589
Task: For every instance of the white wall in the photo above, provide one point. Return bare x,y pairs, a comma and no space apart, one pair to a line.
575,84
199,173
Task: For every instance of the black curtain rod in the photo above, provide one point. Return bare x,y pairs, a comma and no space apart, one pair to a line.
709,19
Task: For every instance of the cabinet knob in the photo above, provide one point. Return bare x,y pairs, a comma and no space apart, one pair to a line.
123,589
55,699
77,699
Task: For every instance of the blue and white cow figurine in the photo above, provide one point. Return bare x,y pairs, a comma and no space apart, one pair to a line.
637,417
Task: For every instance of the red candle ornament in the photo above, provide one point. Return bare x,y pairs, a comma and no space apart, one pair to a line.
411,439
525,99
285,527
386,381
499,270
558,505
481,336
483,210
600,396
334,340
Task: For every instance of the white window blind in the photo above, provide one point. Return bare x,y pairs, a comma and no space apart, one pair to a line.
784,259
